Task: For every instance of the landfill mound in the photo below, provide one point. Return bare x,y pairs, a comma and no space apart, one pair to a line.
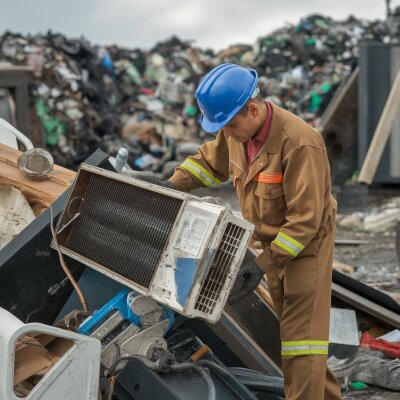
86,96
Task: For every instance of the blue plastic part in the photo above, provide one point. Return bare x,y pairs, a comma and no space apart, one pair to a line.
222,93
185,272
107,61
120,302
168,314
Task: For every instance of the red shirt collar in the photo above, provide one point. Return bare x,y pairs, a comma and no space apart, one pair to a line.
262,134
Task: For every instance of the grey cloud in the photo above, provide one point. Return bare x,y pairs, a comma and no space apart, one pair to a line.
134,23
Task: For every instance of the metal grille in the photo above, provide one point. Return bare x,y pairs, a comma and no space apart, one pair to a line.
123,227
211,290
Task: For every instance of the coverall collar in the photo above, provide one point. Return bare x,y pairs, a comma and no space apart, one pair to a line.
272,145
274,139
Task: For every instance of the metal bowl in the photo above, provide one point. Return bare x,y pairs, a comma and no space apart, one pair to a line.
36,163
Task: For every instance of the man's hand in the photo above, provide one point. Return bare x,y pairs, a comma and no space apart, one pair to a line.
247,280
150,178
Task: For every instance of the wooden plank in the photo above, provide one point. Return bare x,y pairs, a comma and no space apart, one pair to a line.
60,175
44,191
339,99
381,134
40,194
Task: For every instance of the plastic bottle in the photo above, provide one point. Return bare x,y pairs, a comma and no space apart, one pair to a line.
121,159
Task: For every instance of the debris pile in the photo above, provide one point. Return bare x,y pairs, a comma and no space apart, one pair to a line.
89,96
369,366
370,256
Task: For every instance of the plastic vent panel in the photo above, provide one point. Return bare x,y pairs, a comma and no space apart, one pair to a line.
121,227
215,280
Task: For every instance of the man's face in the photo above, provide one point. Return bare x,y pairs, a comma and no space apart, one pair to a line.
242,127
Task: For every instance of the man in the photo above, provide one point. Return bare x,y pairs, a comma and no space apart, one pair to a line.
279,167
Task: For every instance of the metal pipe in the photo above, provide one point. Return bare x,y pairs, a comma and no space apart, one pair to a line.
175,367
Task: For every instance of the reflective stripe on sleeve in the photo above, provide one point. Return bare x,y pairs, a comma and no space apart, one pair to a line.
304,347
200,173
287,243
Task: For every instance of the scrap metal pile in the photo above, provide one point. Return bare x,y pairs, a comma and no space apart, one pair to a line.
87,96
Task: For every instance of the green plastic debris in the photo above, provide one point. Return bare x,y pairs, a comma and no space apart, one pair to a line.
53,127
325,87
134,74
316,96
358,386
191,111
41,109
268,41
315,102
310,41
321,23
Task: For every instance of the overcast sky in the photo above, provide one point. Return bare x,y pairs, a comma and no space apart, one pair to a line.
141,23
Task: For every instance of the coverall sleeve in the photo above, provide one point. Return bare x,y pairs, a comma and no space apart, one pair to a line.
209,167
304,174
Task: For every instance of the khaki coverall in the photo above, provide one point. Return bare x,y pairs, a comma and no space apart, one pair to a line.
286,194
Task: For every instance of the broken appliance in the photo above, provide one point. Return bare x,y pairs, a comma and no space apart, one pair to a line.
179,250
143,360
41,362
129,324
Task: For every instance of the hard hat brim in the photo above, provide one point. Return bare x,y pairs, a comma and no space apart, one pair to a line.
211,127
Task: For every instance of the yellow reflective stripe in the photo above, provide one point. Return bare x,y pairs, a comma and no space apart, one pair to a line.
200,173
284,247
305,343
291,240
303,352
304,347
196,174
287,243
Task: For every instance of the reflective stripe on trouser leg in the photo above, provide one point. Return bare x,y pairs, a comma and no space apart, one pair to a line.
304,347
305,315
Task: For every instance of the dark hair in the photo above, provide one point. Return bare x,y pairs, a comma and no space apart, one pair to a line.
244,110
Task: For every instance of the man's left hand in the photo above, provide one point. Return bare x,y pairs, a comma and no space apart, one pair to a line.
247,280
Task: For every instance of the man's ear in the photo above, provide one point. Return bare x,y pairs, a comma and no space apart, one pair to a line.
253,109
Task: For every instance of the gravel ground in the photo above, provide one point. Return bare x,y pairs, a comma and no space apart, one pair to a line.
376,264
372,393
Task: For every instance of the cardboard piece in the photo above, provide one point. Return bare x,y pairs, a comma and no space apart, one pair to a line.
35,355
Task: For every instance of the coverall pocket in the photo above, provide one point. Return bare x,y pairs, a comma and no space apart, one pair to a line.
272,205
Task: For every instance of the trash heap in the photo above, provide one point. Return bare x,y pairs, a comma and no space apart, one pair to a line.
89,96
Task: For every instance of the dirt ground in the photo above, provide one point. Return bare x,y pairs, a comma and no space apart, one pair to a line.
375,262
372,393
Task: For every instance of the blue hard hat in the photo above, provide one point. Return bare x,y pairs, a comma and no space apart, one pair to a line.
222,93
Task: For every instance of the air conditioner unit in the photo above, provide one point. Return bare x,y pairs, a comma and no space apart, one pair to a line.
183,252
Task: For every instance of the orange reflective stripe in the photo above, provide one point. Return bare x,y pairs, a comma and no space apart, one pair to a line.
268,178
